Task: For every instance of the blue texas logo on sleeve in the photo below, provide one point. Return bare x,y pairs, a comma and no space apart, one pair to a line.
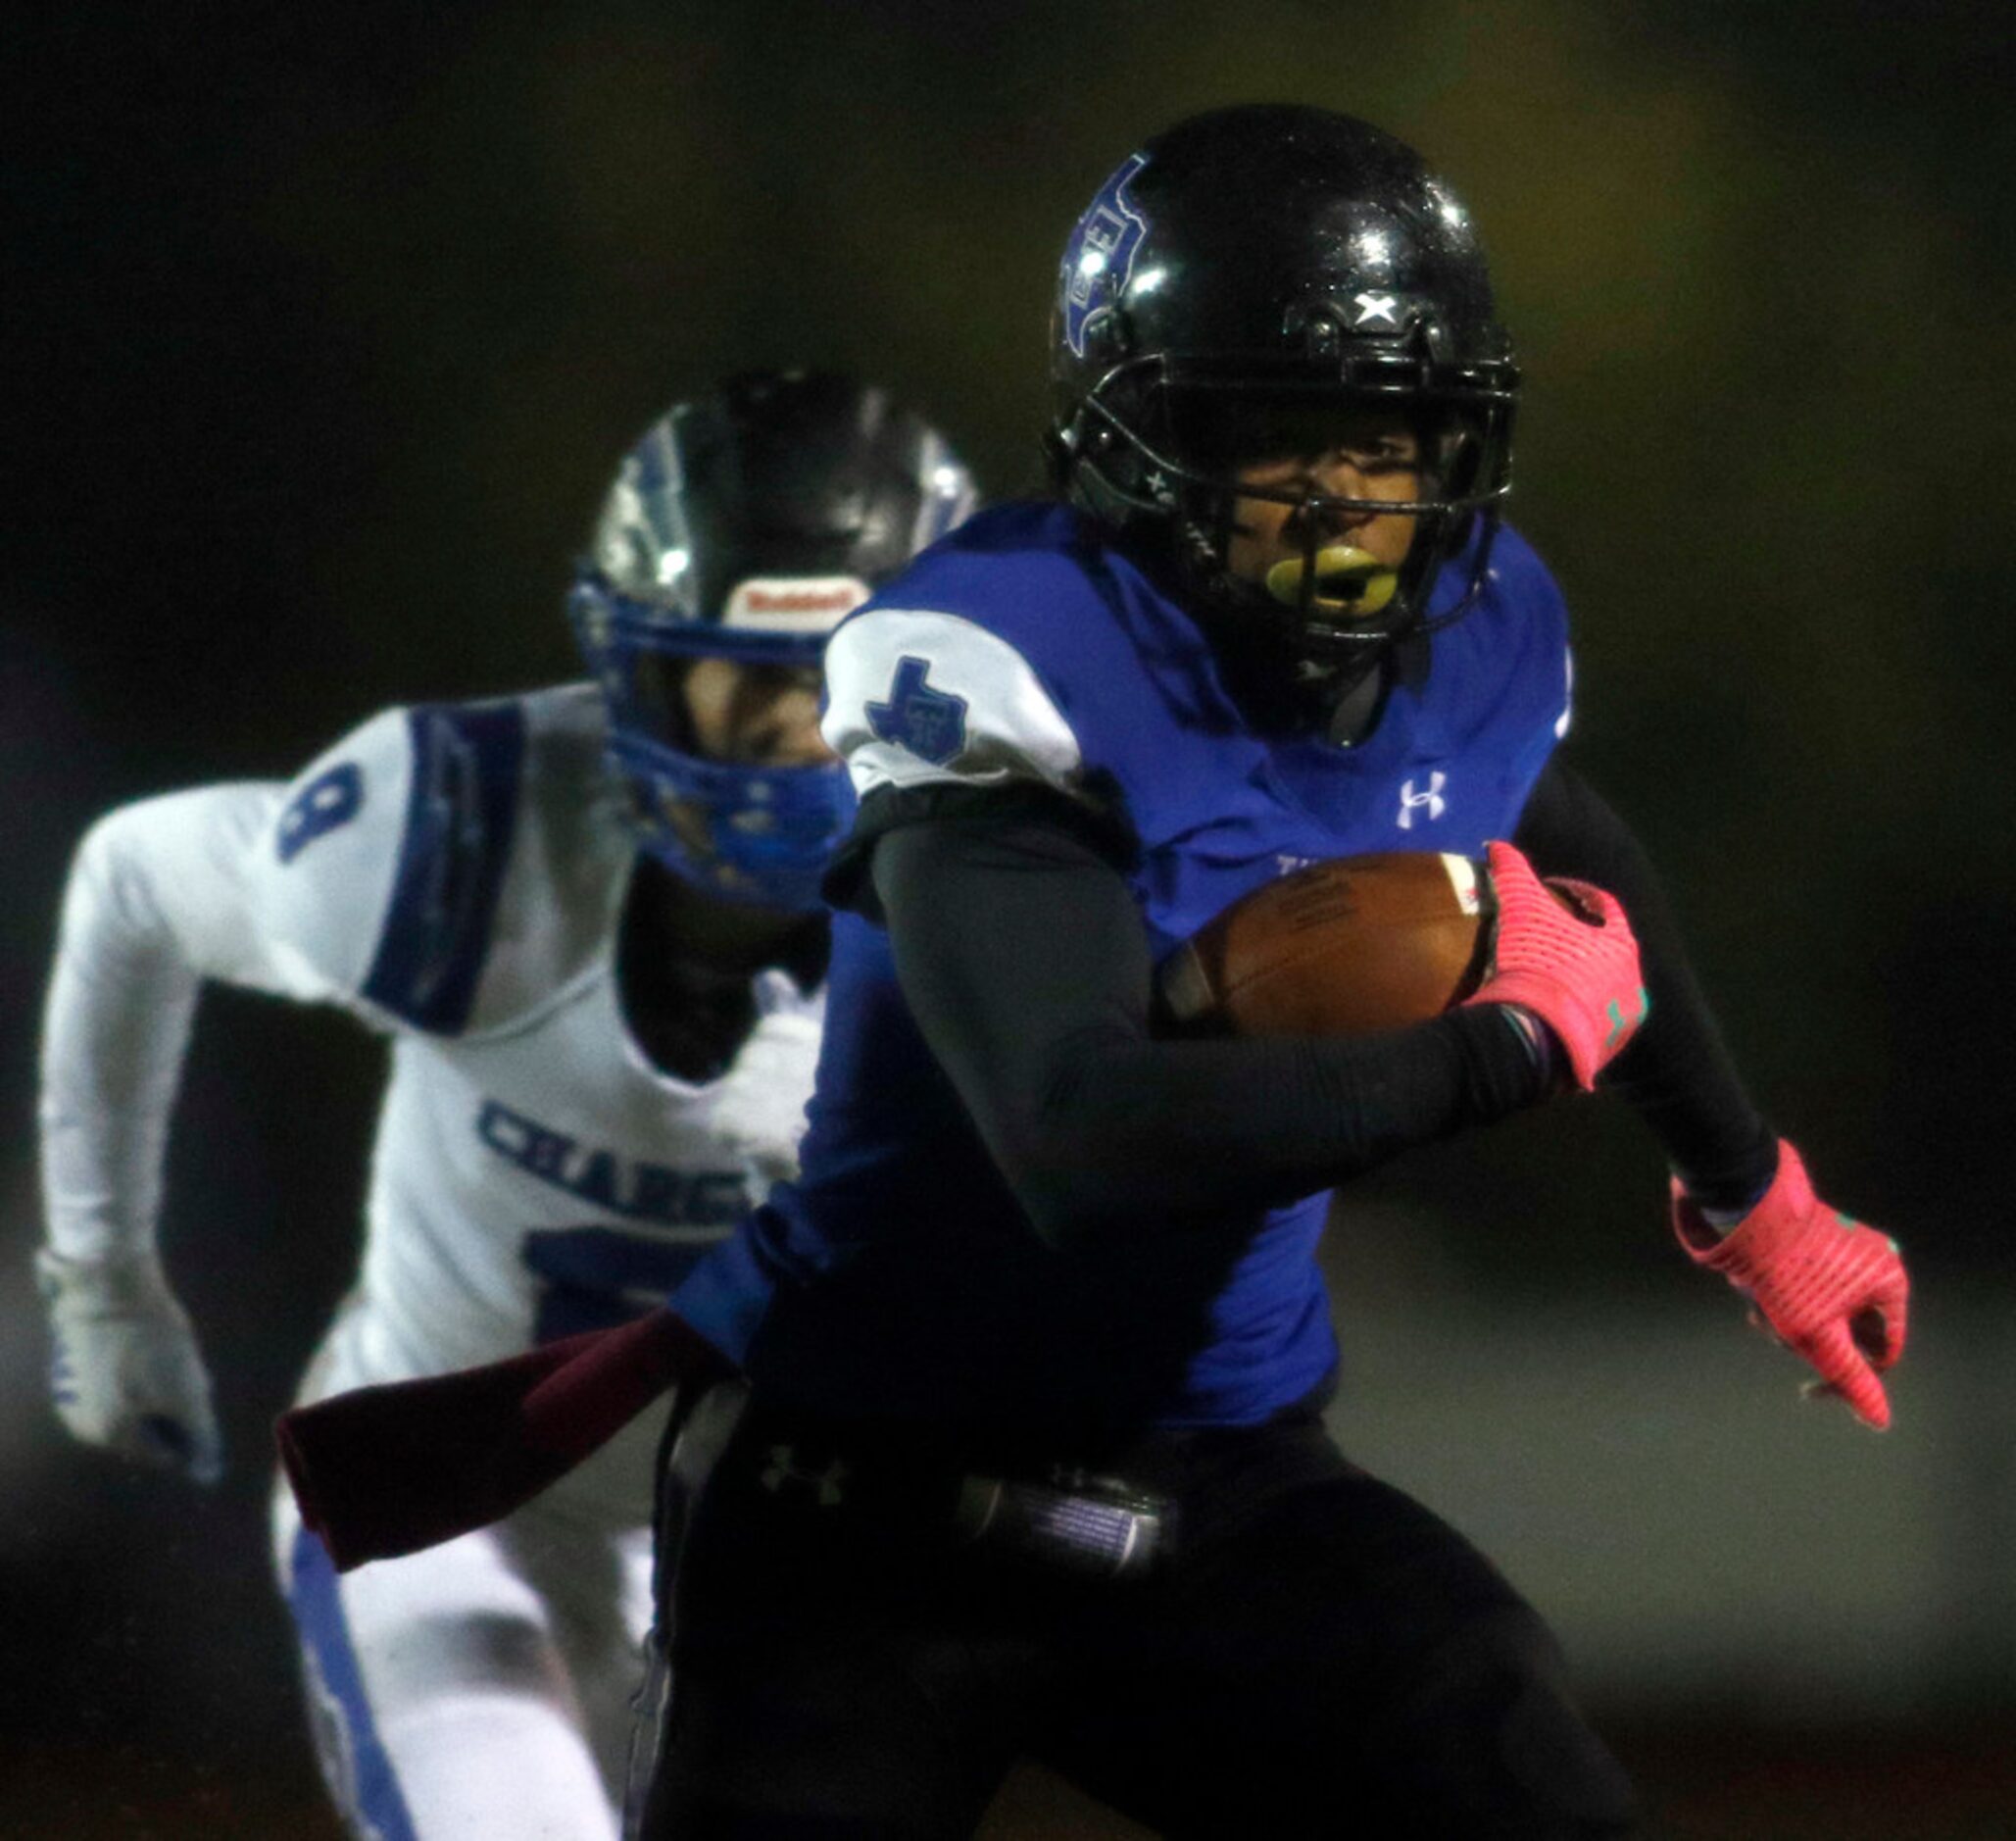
931,723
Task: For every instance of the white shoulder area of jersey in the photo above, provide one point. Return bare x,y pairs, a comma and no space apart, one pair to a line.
174,871
916,697
323,872
449,867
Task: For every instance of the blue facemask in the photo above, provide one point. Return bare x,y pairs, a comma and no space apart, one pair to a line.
758,834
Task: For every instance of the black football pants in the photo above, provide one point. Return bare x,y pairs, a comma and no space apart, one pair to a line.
1318,1654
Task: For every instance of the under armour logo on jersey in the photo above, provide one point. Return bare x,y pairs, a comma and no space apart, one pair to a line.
930,724
1373,307
1412,802
783,1468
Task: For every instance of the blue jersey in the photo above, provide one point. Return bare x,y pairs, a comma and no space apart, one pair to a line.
899,1277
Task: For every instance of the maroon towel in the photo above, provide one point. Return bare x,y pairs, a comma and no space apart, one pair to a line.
389,1469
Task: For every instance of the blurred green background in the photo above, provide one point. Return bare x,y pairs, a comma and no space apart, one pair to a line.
323,330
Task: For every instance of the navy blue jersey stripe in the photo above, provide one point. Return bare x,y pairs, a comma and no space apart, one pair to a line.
459,817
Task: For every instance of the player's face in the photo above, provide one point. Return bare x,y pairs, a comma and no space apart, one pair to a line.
1363,458
756,714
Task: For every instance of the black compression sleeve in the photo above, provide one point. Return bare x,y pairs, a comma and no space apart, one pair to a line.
1677,1074
1022,954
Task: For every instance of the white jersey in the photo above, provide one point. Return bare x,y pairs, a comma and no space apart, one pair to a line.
452,874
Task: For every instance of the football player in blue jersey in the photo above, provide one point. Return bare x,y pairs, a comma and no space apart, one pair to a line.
1028,1454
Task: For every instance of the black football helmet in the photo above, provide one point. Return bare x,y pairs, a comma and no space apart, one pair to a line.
744,524
1246,276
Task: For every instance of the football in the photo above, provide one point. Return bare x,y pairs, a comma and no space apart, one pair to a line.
1347,947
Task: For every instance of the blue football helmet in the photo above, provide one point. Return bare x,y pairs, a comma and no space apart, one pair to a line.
744,526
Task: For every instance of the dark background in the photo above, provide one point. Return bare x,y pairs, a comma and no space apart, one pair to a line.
323,330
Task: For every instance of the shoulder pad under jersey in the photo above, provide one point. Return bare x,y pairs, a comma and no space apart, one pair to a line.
445,865
917,696
951,672
1512,656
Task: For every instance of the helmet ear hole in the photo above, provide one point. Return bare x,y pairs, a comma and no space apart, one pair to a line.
1100,496
1103,472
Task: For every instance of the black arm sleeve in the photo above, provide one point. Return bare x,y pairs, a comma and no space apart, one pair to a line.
1021,953
1677,1074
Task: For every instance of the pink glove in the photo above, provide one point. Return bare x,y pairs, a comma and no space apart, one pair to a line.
1831,1289
1567,956
389,1469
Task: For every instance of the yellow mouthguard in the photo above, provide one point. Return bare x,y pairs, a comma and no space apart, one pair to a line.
1349,580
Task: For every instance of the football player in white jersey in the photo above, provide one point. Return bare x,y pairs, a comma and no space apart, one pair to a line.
588,920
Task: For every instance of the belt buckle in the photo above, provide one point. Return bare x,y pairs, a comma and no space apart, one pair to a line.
1074,1521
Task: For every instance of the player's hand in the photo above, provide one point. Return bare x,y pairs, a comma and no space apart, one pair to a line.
1829,1288
1569,958
125,1370
760,1106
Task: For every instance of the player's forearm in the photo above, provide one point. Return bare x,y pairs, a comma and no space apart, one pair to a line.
116,1021
1023,961
1677,1074
114,1028
1148,1131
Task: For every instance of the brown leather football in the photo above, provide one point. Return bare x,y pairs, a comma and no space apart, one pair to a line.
1347,947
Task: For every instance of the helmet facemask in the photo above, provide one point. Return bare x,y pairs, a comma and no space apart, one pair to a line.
753,832
1158,444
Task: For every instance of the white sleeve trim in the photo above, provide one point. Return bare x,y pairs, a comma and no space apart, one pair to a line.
987,697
